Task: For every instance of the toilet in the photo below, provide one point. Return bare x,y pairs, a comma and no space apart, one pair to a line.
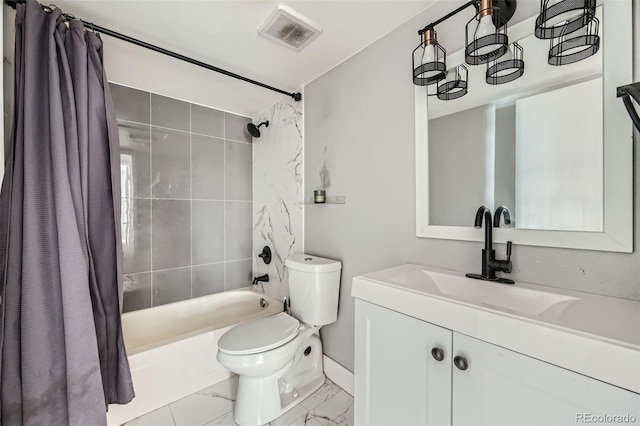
279,358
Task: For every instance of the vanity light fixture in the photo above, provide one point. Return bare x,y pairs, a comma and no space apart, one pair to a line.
485,35
455,85
574,47
507,68
570,25
562,17
485,40
430,58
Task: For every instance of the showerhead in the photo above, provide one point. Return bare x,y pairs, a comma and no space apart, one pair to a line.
255,130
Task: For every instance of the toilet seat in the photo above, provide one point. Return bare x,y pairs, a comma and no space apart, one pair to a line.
259,335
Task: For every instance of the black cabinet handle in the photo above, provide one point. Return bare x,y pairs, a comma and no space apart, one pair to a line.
461,362
437,354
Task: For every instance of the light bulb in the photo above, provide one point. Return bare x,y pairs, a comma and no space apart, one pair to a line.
429,54
485,27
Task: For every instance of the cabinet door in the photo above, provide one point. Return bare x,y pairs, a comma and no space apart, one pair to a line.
502,387
397,380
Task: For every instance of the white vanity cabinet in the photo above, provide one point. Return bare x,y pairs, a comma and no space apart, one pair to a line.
398,381
502,387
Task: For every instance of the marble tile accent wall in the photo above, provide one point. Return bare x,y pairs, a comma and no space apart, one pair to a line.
186,198
277,191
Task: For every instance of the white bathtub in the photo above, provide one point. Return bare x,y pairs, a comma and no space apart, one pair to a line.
172,348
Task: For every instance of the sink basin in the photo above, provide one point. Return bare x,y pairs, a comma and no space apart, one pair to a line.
507,297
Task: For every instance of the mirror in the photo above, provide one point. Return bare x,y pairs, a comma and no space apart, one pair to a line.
552,146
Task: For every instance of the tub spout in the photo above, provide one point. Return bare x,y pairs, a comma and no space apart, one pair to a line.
262,278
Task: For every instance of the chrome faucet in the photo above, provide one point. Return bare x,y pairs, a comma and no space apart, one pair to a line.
489,262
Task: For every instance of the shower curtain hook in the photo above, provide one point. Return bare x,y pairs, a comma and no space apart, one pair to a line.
68,17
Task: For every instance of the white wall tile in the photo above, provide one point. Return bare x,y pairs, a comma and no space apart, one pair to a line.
277,192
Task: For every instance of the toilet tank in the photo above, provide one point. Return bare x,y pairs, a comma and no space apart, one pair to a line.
314,287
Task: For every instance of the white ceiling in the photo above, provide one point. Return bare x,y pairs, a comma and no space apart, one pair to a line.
223,33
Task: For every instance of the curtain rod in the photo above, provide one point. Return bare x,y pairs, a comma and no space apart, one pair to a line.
297,96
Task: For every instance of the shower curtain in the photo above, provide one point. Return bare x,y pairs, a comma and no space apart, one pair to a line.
62,357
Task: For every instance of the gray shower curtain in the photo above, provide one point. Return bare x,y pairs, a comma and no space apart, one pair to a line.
62,357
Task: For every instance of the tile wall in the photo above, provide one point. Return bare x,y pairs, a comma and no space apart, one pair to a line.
186,174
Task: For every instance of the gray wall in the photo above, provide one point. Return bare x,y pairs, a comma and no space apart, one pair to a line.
362,113
186,199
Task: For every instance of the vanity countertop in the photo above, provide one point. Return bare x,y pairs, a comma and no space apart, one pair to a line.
594,335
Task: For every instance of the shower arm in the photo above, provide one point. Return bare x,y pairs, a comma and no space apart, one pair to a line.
297,96
626,93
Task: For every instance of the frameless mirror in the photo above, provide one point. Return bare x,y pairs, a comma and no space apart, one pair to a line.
554,147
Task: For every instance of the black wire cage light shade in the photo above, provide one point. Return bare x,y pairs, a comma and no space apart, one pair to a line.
576,46
572,28
456,85
508,67
485,35
429,59
561,17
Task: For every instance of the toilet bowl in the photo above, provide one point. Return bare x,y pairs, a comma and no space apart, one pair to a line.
279,358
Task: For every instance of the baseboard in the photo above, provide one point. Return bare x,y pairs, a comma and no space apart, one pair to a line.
338,374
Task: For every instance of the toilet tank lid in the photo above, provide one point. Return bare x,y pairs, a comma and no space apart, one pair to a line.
310,263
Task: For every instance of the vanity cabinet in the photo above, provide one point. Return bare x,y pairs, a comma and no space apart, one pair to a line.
399,381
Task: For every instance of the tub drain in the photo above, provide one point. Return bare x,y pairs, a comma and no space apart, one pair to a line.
307,351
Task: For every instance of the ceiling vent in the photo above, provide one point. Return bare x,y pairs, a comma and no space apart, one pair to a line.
288,28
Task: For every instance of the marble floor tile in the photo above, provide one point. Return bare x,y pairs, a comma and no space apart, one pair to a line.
203,406
305,421
213,406
226,389
226,420
337,410
160,417
290,416
326,391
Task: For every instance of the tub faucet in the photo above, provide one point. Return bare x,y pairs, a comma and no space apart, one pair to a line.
489,262
262,278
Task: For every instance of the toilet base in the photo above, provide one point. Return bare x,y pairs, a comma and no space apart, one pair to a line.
262,399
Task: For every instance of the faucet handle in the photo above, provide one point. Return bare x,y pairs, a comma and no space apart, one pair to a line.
266,254
509,250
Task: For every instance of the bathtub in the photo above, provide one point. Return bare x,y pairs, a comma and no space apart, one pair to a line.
172,348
